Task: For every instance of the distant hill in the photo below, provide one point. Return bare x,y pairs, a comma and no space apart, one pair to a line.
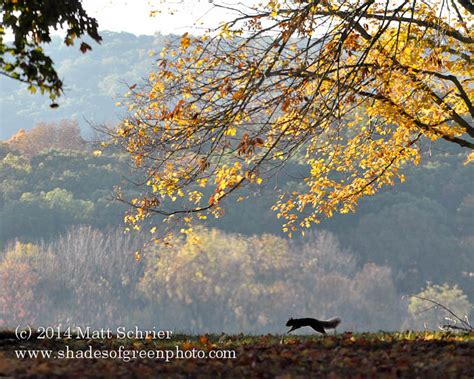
92,83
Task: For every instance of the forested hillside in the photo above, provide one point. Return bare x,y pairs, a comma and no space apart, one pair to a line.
279,189
56,192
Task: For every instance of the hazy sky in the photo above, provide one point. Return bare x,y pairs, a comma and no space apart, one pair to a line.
172,16
176,16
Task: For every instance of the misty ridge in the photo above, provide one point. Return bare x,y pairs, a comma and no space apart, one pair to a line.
92,82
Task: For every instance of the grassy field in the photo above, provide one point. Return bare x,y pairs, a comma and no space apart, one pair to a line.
408,354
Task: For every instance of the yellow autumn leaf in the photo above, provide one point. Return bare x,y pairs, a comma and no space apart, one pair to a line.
469,159
185,41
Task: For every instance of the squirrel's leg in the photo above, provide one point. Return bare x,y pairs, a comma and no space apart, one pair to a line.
318,328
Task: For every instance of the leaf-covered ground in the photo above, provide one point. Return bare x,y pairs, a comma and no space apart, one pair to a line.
431,355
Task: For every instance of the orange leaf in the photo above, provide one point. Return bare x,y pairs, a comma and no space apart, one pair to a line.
204,340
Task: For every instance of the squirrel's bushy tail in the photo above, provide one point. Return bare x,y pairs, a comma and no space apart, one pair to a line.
332,323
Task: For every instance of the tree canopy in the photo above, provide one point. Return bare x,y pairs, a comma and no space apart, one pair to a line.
350,88
31,22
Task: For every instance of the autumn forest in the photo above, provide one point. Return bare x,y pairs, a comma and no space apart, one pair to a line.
301,159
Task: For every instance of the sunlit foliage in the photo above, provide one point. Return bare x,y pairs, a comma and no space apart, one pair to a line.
64,135
349,88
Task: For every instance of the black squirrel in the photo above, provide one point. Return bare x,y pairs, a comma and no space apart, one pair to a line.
317,325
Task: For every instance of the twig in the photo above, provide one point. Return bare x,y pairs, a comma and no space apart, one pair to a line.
467,325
